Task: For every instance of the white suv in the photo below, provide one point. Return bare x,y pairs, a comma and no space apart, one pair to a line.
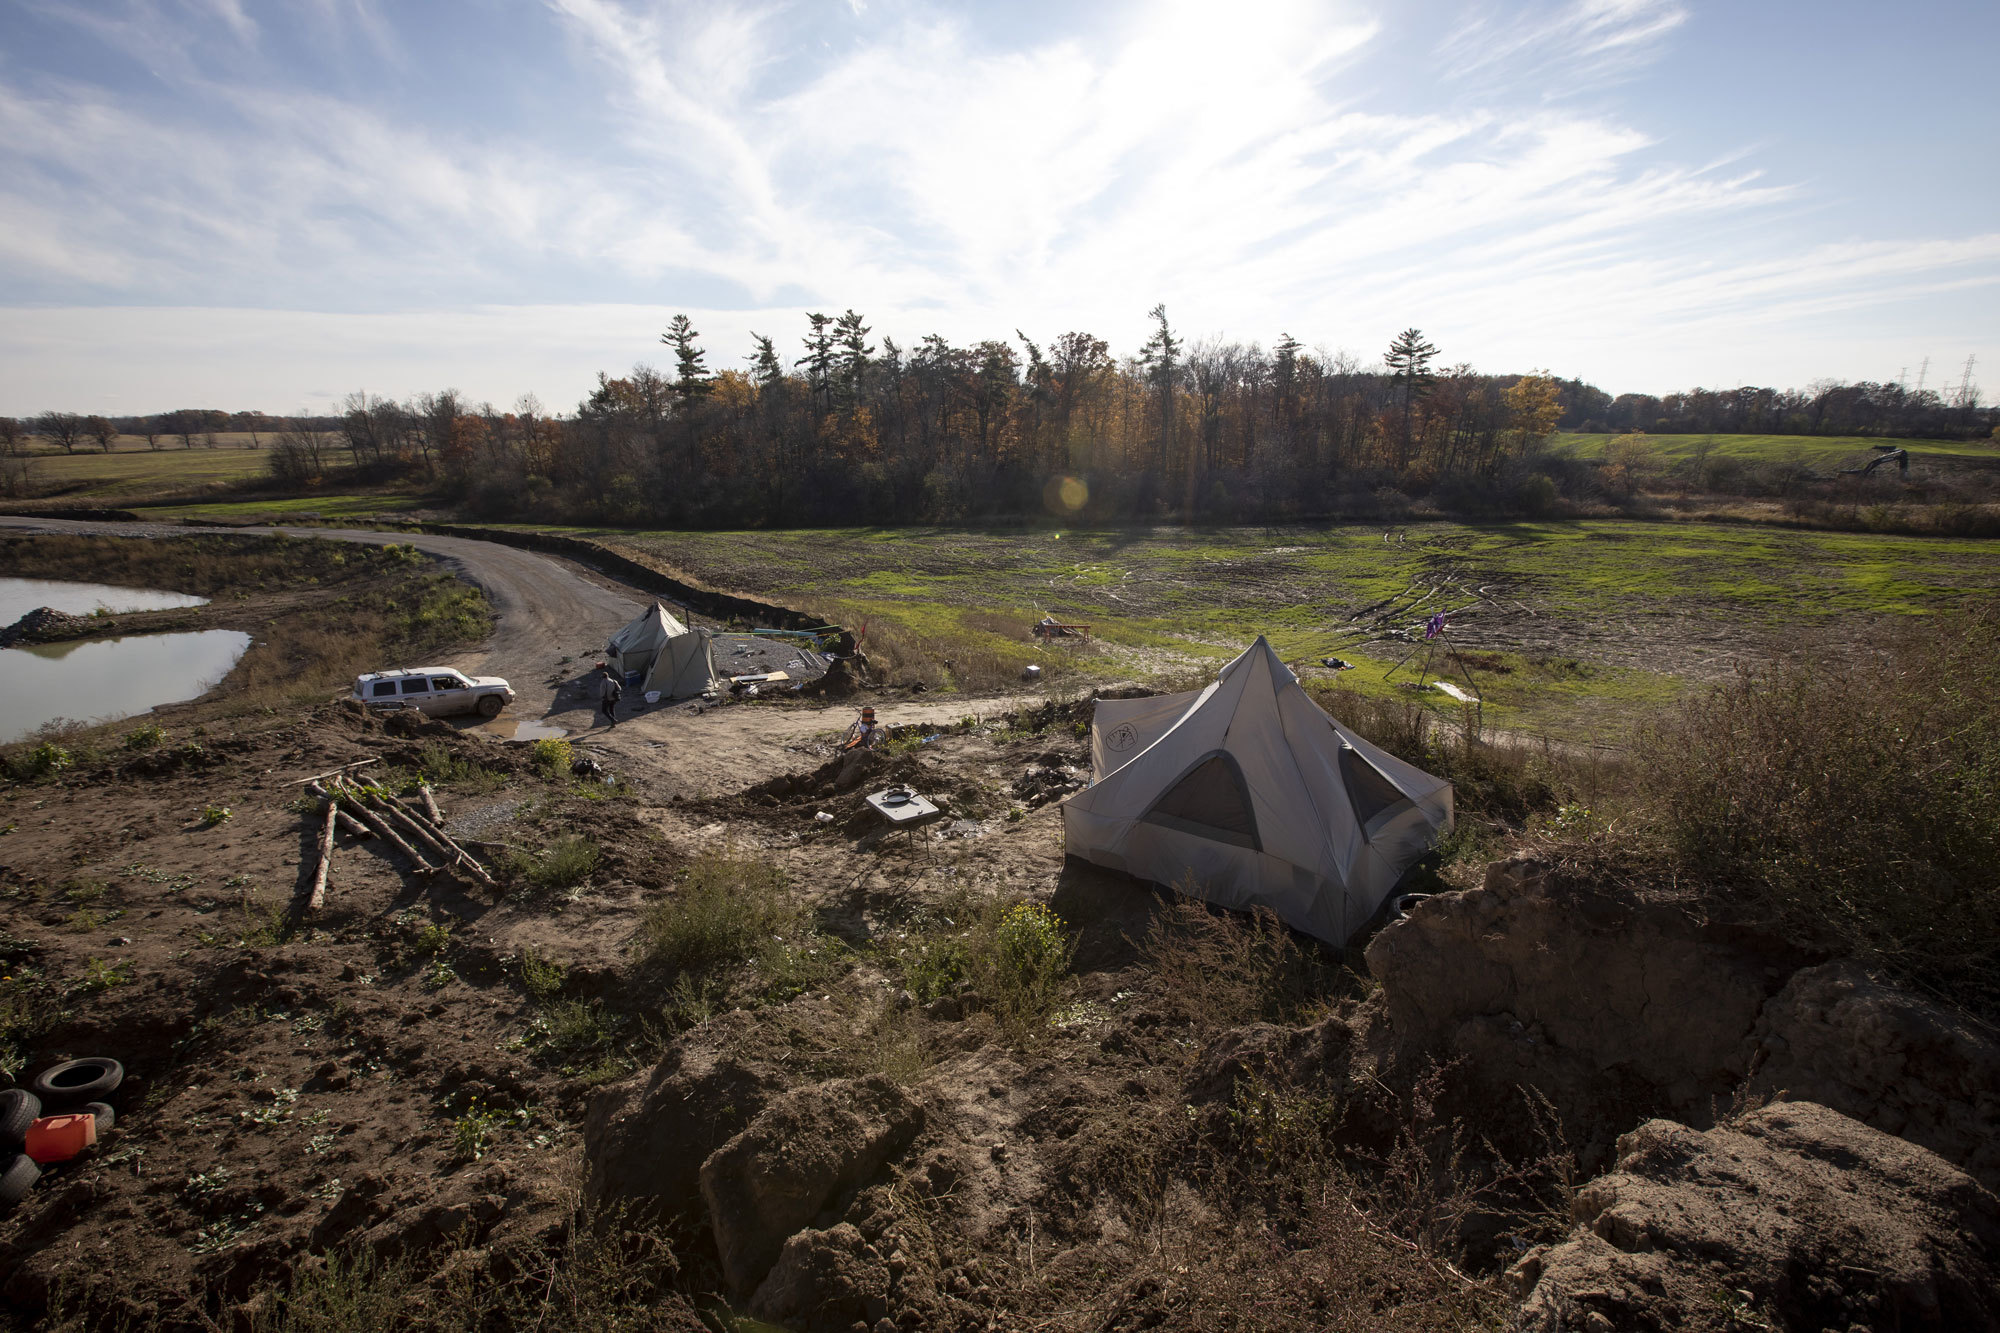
434,690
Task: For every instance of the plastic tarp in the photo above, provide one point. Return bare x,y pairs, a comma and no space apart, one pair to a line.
1247,794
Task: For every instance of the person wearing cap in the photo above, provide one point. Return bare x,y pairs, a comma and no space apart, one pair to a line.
865,734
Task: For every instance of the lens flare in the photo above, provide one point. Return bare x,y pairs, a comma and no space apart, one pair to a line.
1065,495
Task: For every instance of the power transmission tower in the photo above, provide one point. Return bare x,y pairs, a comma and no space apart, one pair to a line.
1922,371
1965,384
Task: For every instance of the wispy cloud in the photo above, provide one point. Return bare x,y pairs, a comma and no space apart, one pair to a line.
746,160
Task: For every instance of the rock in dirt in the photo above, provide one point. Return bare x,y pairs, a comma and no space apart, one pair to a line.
644,1139
45,624
1572,991
823,1282
1903,1064
1794,1217
769,1182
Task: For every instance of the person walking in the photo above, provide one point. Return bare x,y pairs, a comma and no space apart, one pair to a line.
608,692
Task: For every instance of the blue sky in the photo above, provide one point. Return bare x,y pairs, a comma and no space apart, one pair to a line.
219,202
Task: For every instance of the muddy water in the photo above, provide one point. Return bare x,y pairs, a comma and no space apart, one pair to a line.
533,730
98,680
20,596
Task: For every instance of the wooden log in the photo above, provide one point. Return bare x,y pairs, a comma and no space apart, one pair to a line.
430,803
321,777
382,828
411,824
441,841
318,898
348,823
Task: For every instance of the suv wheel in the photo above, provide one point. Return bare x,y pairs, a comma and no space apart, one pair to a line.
490,705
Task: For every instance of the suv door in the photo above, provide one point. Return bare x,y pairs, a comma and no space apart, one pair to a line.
417,693
451,694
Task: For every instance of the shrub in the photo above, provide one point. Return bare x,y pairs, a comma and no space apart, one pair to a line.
211,815
147,737
540,977
42,760
551,756
565,863
1859,809
725,910
1224,970
1027,966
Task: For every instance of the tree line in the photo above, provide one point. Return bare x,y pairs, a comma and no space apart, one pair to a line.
848,428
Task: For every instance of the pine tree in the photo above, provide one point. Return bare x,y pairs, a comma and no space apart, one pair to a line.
852,336
1409,361
819,361
691,378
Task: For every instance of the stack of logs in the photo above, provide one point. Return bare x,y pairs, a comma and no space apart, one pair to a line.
365,813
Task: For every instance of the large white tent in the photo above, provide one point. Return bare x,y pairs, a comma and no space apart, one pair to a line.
1247,794
677,661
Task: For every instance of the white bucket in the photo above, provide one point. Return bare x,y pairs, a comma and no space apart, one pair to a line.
652,696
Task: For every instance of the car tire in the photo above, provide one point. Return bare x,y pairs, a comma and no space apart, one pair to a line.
91,1079
15,1182
106,1117
18,1110
490,706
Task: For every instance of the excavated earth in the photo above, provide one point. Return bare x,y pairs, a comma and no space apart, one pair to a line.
1725,1134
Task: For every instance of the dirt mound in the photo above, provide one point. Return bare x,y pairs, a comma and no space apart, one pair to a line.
1583,994
1793,1217
646,1138
1909,1067
45,624
766,1184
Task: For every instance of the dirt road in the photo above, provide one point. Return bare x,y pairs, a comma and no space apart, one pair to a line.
547,608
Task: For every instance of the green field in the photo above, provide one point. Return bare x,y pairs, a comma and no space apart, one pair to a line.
131,471
1586,623
1817,451
305,507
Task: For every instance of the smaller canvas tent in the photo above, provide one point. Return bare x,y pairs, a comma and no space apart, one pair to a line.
1246,793
677,661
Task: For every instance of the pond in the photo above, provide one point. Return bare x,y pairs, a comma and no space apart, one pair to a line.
20,596
99,680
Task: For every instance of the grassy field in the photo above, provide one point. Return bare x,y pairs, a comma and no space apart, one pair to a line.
297,509
1585,626
1824,452
131,471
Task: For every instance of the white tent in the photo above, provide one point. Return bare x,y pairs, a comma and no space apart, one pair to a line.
677,661
1247,794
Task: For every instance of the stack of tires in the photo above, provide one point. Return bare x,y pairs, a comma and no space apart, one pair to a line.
75,1087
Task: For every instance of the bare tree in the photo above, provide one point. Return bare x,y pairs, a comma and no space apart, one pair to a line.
149,429
65,428
13,438
301,451
101,430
